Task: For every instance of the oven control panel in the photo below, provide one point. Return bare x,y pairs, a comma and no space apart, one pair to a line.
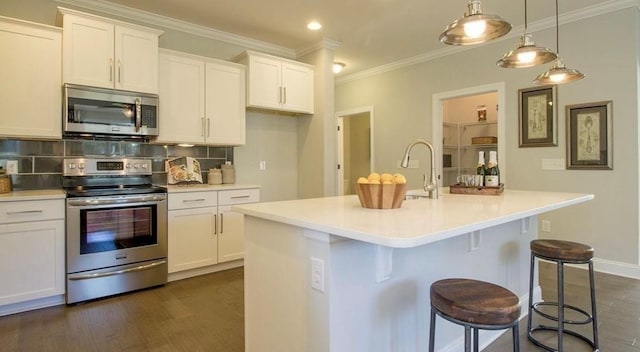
95,167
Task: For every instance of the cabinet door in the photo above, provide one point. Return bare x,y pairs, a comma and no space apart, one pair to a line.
225,104
88,52
192,238
297,82
32,261
231,236
264,82
31,69
136,60
182,99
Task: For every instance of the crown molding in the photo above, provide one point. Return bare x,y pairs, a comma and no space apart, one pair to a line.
516,32
182,26
325,43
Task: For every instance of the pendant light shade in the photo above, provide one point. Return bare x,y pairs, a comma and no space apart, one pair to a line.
558,73
475,27
526,54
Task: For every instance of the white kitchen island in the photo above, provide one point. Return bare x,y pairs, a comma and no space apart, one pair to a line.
326,274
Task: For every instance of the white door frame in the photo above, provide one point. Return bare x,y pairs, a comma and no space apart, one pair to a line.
340,115
437,113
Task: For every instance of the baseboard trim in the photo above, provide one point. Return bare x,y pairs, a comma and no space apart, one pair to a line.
616,268
32,305
180,275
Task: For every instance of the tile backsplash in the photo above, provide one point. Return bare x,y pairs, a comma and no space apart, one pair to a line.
40,162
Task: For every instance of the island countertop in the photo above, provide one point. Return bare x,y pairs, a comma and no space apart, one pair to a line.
418,221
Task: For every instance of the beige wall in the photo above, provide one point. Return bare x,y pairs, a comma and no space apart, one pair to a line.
605,48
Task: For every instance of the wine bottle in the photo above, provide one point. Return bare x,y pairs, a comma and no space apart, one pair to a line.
481,170
492,175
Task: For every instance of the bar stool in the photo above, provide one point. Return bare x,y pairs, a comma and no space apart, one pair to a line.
475,305
562,252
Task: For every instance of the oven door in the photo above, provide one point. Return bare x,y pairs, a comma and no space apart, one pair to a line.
108,231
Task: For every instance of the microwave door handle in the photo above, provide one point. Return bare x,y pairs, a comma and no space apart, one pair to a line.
138,113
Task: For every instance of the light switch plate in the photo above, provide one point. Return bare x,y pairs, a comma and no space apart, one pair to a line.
553,164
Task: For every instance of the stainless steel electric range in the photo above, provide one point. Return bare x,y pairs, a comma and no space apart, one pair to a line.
116,227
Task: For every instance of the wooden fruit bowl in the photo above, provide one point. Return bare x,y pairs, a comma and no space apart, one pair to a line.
377,196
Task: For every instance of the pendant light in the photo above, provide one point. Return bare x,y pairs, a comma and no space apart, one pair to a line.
475,27
558,73
527,54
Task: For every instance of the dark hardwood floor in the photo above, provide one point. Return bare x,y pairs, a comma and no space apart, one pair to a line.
206,314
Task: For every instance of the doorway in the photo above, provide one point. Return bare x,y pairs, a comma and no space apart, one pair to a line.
441,104
354,147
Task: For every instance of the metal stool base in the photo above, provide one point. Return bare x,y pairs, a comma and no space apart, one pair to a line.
468,327
555,328
560,329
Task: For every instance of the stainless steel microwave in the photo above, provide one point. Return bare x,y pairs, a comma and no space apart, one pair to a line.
98,111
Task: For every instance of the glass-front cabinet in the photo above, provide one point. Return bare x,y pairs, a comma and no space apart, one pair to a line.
461,144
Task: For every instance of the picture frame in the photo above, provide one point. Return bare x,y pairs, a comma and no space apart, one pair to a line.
538,117
590,136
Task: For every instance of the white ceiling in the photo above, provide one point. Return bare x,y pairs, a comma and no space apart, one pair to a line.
371,33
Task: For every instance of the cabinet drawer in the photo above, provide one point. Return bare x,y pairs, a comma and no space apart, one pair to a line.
28,211
239,196
193,200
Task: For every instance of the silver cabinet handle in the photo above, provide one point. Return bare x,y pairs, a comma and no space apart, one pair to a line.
193,200
202,127
110,70
138,112
284,100
280,95
240,197
221,223
119,72
215,224
25,212
118,272
208,127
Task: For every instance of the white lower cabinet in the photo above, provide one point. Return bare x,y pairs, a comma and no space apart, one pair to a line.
204,231
192,238
32,247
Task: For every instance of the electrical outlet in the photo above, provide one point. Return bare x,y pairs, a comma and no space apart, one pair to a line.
12,167
317,274
263,165
546,226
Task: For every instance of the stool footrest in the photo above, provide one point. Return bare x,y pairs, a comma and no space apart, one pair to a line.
555,328
588,318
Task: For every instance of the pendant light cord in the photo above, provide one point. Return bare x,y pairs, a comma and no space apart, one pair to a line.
557,31
525,16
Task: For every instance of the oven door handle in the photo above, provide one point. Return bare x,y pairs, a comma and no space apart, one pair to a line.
109,201
118,272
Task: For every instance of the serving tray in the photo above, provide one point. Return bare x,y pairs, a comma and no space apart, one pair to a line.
492,191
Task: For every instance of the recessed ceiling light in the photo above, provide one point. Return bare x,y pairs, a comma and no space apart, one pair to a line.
314,25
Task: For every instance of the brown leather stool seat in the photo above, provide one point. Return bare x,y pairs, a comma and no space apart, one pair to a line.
475,305
562,252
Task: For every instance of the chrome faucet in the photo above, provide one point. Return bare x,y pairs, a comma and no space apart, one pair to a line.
432,186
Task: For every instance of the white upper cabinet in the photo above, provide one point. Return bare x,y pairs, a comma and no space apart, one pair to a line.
181,89
225,103
30,67
105,53
203,100
278,84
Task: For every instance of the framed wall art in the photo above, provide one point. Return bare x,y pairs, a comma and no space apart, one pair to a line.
537,110
590,136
